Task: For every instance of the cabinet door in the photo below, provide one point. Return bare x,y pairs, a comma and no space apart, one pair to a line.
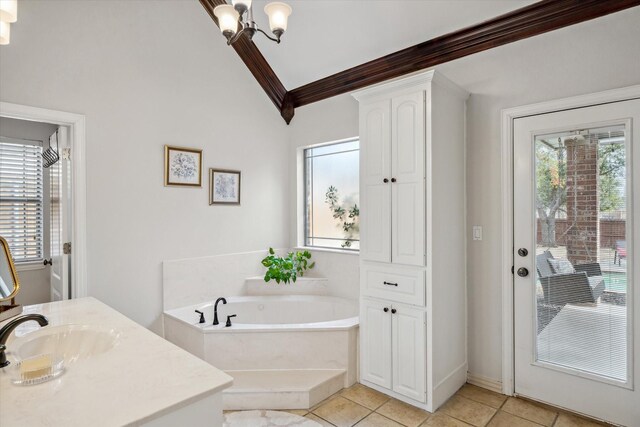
375,342
409,352
408,170
375,194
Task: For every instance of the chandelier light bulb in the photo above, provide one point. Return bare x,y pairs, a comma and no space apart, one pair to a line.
278,13
5,32
227,19
9,10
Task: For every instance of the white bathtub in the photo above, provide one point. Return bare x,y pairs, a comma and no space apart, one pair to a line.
289,332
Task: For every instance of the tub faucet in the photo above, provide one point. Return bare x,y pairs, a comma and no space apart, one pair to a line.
215,310
9,327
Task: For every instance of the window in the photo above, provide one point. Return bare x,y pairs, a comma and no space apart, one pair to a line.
21,199
332,203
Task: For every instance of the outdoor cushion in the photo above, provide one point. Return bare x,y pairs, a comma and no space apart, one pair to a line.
561,265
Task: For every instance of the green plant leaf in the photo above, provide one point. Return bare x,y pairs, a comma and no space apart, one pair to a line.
271,251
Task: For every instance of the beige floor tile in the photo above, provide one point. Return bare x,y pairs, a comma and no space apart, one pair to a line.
323,423
469,411
482,395
301,412
568,420
505,419
530,411
317,405
377,420
342,412
440,419
403,413
365,396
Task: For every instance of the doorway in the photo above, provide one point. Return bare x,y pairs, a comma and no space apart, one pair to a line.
66,262
574,321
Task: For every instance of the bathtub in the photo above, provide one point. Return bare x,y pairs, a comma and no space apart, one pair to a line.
289,332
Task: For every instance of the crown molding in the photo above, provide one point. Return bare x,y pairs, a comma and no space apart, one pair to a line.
529,21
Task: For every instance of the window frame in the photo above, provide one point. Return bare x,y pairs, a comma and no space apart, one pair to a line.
302,211
33,263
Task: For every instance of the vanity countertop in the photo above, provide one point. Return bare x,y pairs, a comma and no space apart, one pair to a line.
141,378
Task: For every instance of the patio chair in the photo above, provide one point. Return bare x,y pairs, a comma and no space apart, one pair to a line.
564,283
570,288
620,251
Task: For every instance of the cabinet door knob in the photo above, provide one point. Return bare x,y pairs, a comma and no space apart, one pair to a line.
386,309
393,180
394,311
385,180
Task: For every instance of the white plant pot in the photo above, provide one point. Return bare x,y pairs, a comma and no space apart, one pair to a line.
256,286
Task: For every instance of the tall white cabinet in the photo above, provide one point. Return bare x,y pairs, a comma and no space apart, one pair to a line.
412,239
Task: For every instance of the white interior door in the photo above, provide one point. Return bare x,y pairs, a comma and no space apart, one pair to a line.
576,323
60,221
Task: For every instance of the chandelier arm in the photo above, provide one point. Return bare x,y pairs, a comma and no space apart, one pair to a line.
235,38
277,40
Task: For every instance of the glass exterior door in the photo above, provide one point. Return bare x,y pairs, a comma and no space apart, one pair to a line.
573,259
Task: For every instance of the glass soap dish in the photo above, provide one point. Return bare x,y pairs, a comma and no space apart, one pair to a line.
40,370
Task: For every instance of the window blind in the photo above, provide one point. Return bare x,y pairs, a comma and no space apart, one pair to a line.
21,200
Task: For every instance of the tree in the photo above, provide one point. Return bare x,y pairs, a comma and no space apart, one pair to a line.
551,183
348,217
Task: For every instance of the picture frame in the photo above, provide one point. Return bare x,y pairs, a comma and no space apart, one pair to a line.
182,167
224,186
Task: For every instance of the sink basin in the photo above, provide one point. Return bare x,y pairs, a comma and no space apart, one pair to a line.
68,342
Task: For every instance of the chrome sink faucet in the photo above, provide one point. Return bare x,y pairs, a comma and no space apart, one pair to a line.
215,310
9,327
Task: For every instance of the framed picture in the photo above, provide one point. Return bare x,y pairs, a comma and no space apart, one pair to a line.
224,187
182,166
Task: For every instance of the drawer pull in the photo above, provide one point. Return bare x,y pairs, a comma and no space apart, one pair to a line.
390,284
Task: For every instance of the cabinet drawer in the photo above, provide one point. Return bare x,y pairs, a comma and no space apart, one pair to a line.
401,284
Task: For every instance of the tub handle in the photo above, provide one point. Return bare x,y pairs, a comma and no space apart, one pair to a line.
229,320
201,316
390,283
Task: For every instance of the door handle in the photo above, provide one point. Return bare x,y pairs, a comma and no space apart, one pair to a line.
48,261
390,283
523,252
523,272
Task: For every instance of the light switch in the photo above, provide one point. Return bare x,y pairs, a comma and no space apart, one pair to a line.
477,232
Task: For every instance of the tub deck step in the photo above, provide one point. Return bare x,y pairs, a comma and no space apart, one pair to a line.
281,389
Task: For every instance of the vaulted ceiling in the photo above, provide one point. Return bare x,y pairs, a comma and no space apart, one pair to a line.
334,47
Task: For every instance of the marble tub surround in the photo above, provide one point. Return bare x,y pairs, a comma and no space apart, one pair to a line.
142,380
198,280
255,286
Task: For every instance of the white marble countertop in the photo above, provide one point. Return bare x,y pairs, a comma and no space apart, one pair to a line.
141,378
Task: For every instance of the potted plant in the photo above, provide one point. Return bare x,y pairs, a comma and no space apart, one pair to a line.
287,268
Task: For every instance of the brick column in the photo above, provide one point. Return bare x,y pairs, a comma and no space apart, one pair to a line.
583,205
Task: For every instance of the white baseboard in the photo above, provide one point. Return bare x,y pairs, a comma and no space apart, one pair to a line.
484,382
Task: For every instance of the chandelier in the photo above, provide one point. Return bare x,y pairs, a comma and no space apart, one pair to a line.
240,12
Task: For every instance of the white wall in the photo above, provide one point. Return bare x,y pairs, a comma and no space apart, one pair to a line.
589,57
34,279
330,120
148,73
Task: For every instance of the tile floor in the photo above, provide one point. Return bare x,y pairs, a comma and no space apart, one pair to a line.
471,406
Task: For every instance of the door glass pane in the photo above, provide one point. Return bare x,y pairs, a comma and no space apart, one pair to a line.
581,257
